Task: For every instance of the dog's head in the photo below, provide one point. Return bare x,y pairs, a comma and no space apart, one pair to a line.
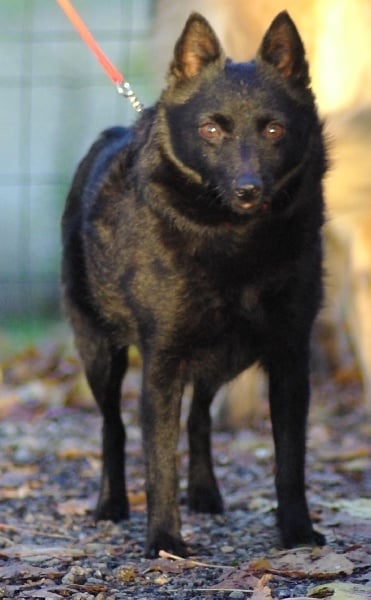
241,130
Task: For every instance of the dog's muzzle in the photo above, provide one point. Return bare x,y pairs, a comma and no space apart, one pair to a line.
247,191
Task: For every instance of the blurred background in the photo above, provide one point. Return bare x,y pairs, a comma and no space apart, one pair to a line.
55,99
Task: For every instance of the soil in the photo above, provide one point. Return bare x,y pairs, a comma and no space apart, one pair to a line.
51,548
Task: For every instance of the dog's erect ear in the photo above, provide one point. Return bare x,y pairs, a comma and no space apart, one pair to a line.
196,48
282,47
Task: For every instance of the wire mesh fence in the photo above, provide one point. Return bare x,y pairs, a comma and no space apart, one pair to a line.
54,100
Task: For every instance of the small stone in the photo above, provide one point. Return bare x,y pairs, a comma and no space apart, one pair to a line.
237,594
219,519
161,579
227,549
94,581
4,543
75,575
98,574
125,574
22,456
29,518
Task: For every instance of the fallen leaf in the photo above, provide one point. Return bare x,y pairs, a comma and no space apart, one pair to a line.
304,562
74,453
47,594
78,394
167,566
37,553
8,398
331,565
359,508
345,454
23,491
137,500
237,579
360,555
262,591
259,565
26,571
341,591
75,507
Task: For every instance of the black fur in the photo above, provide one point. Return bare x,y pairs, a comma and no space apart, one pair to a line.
196,235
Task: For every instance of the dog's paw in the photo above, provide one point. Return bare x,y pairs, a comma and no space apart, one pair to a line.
296,527
161,540
112,510
303,535
205,499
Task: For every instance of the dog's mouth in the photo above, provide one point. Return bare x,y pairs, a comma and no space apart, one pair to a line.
247,206
235,209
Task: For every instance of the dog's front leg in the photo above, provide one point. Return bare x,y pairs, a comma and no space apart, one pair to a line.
161,399
289,399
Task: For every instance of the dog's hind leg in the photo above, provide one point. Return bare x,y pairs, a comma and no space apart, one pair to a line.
203,492
112,503
104,369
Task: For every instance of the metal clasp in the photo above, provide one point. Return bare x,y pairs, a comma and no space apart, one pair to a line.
125,89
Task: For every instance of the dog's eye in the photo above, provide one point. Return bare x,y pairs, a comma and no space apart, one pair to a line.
210,131
274,131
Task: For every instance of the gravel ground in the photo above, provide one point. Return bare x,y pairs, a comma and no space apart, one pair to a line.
51,548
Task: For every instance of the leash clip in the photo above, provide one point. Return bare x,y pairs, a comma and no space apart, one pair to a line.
115,76
125,89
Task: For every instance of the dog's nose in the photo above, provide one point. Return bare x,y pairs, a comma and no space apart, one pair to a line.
248,188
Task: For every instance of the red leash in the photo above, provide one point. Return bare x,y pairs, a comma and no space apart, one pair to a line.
123,87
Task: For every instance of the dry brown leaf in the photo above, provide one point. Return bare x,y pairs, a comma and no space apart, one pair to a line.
78,394
260,565
137,500
262,591
74,452
34,552
237,579
164,565
339,455
20,571
23,491
8,399
347,375
360,555
75,507
305,562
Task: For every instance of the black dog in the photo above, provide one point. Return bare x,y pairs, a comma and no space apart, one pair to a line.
196,235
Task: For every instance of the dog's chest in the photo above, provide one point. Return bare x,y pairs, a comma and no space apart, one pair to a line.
221,334
217,313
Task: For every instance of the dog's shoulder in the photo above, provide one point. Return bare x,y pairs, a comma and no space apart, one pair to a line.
115,145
